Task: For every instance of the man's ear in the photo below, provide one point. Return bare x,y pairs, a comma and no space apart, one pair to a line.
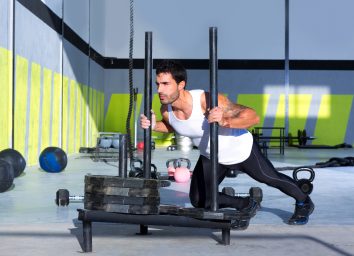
181,85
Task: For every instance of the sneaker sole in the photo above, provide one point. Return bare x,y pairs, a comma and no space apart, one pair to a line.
307,220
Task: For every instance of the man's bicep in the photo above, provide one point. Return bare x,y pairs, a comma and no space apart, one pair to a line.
168,126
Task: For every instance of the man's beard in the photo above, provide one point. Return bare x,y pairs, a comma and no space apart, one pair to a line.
169,100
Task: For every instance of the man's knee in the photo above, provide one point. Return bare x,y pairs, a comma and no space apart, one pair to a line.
195,201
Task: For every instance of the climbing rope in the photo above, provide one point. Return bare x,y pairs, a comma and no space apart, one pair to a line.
131,89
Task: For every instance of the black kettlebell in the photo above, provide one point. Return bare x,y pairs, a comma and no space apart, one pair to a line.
137,171
154,173
304,184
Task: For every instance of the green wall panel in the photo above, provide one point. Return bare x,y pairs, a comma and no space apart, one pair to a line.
5,98
280,114
78,118
259,102
94,116
100,111
65,114
161,139
332,120
33,135
117,112
90,122
84,104
56,111
46,108
299,106
71,131
20,117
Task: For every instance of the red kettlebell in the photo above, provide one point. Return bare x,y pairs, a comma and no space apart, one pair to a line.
182,173
170,168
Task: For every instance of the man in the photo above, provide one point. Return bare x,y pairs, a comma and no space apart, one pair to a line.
187,113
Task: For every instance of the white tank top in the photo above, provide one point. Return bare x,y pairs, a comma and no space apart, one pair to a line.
234,144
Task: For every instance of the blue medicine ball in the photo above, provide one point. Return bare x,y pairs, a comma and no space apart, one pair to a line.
53,159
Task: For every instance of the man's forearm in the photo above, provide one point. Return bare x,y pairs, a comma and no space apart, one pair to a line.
244,118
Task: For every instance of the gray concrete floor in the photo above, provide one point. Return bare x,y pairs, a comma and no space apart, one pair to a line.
31,223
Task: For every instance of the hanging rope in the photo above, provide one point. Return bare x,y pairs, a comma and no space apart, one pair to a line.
131,89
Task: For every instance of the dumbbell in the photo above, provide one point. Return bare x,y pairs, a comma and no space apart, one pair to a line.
63,198
255,193
171,148
304,184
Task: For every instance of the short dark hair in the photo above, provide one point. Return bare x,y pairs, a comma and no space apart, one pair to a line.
175,68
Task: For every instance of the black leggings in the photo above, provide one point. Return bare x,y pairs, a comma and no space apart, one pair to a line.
256,166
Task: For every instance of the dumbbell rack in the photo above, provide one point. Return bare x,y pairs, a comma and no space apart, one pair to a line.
170,215
105,154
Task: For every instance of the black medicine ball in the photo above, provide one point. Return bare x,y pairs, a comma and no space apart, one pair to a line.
6,175
15,159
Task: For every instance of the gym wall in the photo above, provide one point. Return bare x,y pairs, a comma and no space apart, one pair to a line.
71,81
5,75
252,44
57,93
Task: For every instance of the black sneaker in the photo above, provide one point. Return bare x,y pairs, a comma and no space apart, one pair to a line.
302,213
250,209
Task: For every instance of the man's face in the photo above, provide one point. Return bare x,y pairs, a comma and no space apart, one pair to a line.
168,88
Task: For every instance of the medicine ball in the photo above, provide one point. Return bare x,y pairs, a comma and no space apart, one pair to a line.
6,175
105,142
14,158
53,159
115,141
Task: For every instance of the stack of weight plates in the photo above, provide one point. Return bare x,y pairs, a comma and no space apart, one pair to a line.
123,195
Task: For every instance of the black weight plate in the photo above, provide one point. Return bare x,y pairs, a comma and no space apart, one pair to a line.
87,150
169,209
117,191
62,197
230,191
256,193
299,137
225,214
304,137
200,213
115,181
132,209
125,200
